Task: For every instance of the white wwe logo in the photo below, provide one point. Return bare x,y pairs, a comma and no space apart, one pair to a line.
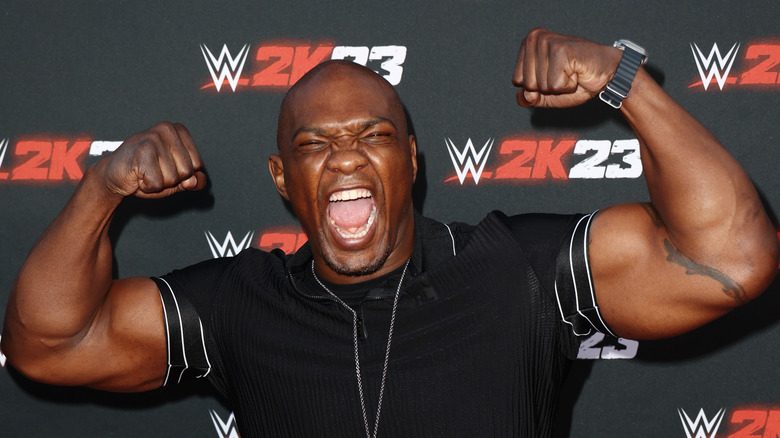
2,356
229,69
229,247
3,148
701,427
714,65
227,429
465,161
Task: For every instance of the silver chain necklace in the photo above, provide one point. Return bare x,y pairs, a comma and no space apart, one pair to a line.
357,353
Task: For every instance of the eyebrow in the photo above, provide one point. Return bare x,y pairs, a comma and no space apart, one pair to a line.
362,127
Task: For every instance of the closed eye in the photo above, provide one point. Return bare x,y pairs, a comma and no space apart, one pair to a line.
311,145
378,137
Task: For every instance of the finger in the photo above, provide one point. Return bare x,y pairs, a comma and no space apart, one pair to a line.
197,178
155,166
174,156
530,61
173,166
561,75
189,144
517,76
542,64
146,164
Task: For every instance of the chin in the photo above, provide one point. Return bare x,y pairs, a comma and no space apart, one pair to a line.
357,269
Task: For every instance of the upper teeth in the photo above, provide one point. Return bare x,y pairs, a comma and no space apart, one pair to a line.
349,195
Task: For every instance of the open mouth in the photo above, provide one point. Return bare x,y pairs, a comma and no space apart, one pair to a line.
352,212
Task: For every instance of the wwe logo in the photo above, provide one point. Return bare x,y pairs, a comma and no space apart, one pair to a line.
466,160
3,148
701,427
228,68
227,429
229,247
2,357
714,64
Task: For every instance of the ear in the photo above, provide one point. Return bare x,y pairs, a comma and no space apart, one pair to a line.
276,168
413,151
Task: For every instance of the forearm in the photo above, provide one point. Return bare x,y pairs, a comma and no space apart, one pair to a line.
68,271
706,201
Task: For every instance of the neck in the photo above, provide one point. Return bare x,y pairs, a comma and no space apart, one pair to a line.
403,246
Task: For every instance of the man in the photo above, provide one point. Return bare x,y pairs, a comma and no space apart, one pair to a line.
388,323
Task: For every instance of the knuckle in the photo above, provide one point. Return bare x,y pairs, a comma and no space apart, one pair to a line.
180,129
185,171
536,32
165,126
147,147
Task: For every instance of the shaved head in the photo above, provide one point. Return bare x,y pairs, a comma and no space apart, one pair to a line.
347,163
318,79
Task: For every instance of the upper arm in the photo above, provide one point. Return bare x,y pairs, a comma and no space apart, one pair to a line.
123,349
648,288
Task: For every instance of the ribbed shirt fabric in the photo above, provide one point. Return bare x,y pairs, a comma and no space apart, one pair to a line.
480,347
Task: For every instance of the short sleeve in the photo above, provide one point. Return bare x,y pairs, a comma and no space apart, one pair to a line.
557,246
186,295
574,283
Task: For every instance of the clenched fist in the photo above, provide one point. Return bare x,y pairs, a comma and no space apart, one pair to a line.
154,163
556,71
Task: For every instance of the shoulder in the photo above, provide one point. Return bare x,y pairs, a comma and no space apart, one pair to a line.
209,269
204,278
539,226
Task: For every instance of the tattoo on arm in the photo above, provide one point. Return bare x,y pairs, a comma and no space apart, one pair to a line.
730,287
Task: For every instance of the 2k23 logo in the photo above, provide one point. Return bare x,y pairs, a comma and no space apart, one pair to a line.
599,346
225,429
50,159
536,159
280,65
762,60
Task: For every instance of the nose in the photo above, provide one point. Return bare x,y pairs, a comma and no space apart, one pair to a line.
346,155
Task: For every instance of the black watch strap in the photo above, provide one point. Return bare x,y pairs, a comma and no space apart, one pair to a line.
617,89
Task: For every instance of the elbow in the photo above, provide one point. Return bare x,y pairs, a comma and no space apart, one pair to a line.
37,365
762,263
772,261
36,358
14,353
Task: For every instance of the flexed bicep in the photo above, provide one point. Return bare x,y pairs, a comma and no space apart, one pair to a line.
646,287
122,349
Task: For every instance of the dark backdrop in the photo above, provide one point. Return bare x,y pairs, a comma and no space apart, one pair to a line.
75,74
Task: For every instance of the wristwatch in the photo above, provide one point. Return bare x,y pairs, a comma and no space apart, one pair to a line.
617,88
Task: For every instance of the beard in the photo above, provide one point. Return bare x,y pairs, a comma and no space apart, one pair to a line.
357,271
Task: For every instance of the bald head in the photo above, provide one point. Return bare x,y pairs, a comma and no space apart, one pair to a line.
331,79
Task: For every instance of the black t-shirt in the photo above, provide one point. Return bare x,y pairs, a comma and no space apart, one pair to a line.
487,320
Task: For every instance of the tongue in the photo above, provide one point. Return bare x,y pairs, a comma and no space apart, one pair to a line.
351,214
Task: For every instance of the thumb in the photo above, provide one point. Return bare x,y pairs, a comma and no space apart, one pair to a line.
528,98
195,182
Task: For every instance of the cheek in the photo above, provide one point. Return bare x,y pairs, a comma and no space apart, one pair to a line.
304,177
402,173
302,190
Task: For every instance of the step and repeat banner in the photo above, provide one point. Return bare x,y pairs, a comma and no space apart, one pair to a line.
79,77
